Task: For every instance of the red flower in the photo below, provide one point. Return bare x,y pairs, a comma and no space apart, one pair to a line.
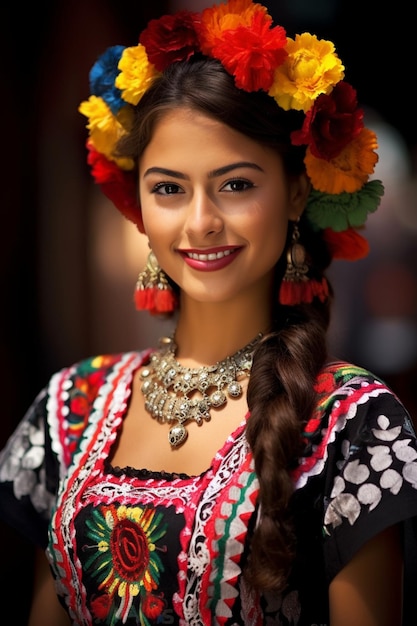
117,184
348,244
170,38
152,606
331,123
102,169
100,606
79,405
312,425
85,390
96,378
324,383
130,550
252,54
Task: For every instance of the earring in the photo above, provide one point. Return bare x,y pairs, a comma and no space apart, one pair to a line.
296,287
153,292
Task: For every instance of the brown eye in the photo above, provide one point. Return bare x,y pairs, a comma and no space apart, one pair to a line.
237,185
166,189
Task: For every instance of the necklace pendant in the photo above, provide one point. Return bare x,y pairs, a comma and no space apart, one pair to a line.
217,399
177,435
202,411
234,389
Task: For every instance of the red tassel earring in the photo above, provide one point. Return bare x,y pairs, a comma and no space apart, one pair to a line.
296,287
153,292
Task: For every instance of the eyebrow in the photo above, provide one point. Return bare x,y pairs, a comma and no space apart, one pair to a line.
217,172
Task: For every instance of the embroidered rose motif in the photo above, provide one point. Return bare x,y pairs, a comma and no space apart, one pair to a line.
126,562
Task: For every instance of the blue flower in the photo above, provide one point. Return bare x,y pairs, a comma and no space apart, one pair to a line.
102,78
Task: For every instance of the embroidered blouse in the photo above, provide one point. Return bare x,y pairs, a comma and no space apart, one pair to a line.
130,546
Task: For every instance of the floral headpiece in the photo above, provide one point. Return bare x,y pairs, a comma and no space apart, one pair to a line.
303,73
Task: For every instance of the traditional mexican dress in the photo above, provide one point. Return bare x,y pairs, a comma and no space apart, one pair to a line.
131,546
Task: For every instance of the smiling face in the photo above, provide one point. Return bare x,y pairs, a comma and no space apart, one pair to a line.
215,206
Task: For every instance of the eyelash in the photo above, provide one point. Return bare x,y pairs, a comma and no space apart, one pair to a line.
159,186
242,183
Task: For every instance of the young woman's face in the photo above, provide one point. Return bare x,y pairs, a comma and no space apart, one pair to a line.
215,206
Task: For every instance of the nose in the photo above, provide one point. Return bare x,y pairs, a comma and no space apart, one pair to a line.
204,217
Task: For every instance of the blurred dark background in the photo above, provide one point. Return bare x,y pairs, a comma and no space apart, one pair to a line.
69,262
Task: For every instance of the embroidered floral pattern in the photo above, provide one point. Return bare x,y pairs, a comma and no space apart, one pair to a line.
126,563
79,393
146,549
354,489
23,463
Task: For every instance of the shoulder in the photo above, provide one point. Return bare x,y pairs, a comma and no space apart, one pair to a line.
41,448
355,409
86,377
343,387
360,453
95,368
339,375
73,392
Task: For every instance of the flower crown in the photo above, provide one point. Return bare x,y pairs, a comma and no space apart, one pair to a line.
303,73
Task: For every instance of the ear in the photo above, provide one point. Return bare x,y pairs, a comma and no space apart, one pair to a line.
300,187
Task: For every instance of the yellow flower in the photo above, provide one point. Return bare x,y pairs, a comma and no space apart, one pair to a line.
350,170
136,74
311,68
105,129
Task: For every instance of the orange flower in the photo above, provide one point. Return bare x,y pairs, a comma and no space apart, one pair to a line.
252,54
350,170
215,20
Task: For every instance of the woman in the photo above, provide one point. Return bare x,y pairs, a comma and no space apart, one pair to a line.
237,473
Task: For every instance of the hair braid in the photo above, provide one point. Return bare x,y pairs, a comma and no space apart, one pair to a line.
281,397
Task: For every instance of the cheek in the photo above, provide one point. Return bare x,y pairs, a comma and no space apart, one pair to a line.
150,217
147,223
160,235
273,246
271,229
271,243
155,226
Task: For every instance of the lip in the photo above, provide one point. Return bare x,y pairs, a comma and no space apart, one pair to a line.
210,259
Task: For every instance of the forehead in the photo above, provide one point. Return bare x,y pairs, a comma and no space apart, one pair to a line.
186,133
189,122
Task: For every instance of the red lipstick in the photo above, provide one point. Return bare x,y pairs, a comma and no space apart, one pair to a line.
210,260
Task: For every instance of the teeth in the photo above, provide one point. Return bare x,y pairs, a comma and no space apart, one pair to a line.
208,257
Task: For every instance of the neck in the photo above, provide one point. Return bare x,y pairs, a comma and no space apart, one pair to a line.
207,333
